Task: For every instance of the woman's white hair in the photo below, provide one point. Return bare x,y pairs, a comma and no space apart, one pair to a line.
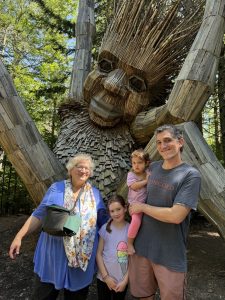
75,160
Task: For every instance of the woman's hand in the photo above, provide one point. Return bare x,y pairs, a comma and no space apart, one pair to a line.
15,247
30,226
120,287
111,283
136,208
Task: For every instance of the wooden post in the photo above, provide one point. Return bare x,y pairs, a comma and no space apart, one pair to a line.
85,30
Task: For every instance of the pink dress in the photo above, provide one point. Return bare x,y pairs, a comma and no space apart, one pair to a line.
135,196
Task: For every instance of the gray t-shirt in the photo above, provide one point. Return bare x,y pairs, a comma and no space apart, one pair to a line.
165,243
114,254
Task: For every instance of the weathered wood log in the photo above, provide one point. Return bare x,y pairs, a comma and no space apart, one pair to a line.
198,154
85,30
30,156
195,81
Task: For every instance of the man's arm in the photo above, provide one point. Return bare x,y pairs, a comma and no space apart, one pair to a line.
175,214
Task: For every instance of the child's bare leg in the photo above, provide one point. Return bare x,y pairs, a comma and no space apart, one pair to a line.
130,248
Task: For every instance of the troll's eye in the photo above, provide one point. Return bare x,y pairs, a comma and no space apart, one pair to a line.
137,84
105,65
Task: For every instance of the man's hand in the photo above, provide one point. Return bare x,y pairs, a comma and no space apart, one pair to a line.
136,208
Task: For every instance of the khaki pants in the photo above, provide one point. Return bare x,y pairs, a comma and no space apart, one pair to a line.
145,278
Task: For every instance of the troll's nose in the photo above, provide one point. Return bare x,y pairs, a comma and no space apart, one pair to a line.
116,83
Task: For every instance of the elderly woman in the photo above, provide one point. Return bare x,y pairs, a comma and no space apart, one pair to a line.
66,262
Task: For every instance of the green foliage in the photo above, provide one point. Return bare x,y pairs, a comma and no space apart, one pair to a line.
13,195
36,48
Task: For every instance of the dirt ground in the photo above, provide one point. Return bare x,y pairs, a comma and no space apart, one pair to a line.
206,256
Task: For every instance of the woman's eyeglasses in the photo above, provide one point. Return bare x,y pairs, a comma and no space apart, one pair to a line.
81,168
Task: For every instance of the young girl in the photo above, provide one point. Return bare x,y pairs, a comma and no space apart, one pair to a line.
112,258
137,191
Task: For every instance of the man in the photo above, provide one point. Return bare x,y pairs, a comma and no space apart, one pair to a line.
173,190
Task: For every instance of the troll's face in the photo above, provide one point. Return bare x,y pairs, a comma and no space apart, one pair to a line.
137,61
115,92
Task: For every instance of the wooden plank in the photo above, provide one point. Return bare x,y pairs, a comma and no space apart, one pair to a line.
7,142
37,191
201,66
209,35
187,99
214,8
6,122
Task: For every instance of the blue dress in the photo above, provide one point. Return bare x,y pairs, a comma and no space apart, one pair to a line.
50,261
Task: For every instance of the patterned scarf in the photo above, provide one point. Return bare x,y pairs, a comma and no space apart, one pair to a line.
79,247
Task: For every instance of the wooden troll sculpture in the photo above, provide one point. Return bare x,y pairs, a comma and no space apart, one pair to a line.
124,99
137,61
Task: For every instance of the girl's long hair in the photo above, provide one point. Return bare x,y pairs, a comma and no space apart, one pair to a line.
115,198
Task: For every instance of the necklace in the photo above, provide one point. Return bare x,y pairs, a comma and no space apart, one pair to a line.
75,194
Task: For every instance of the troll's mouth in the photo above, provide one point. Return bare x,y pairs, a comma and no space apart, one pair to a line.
101,121
104,113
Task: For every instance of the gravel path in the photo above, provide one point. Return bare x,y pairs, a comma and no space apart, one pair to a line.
206,256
